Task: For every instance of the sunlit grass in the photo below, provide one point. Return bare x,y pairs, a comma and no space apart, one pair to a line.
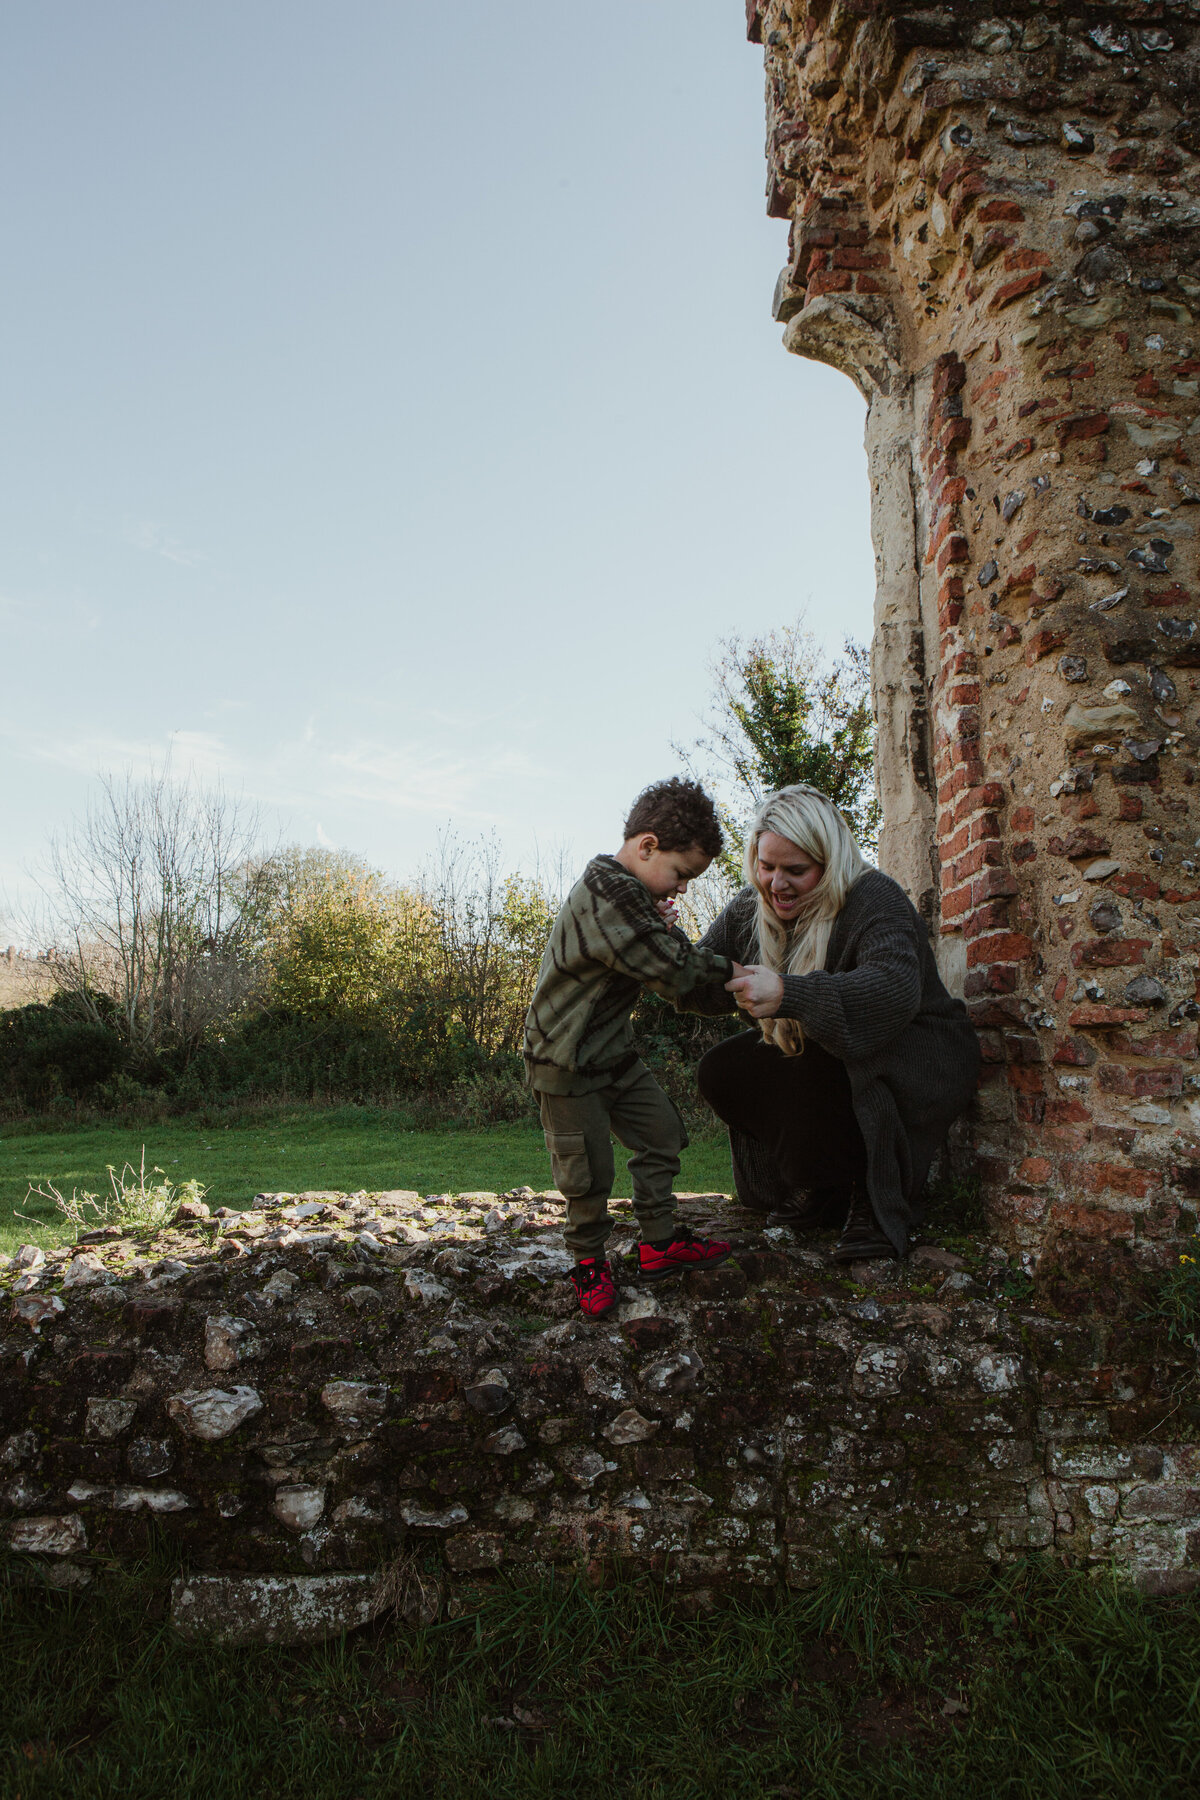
344,1149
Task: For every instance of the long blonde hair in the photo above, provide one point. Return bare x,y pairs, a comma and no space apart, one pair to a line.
808,819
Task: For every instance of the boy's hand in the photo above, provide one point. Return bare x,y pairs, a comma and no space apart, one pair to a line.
667,910
758,991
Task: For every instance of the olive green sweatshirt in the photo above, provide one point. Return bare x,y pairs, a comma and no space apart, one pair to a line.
608,943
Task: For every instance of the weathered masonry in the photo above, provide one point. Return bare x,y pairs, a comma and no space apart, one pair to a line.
336,1403
995,232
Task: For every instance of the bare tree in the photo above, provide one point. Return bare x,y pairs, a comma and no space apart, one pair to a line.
157,924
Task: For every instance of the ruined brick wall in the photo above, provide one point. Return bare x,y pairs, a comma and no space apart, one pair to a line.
299,1398
994,230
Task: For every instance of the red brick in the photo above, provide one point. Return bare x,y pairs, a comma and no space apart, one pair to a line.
1074,1050
1003,947
1027,259
1081,425
1042,643
993,884
955,550
1175,595
988,793
1109,953
1094,1017
1025,1080
956,902
858,259
1157,1044
829,281
1117,1178
1036,1170
1000,209
1012,290
957,844
1088,1221
1141,1084
988,917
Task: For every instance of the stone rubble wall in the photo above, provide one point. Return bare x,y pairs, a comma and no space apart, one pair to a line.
338,1402
994,229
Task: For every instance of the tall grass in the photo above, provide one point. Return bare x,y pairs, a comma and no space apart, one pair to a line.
1040,1685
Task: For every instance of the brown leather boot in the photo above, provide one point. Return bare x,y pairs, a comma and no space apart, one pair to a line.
863,1238
815,1210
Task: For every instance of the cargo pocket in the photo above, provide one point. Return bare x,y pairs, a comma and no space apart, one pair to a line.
569,1163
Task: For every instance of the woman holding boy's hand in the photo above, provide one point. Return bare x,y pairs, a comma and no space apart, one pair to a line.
860,1060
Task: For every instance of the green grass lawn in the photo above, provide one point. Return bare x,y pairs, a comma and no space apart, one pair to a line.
1038,1685
344,1149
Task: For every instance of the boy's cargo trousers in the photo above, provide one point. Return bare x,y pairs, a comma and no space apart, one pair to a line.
579,1131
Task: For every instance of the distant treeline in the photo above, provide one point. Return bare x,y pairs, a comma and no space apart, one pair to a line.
195,968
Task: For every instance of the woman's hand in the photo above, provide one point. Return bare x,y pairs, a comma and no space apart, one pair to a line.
758,991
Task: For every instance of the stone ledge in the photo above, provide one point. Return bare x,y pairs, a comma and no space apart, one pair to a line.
416,1390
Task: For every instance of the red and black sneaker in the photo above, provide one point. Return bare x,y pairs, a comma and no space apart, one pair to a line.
593,1283
685,1251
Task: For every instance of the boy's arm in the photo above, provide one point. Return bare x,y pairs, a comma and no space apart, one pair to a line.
627,935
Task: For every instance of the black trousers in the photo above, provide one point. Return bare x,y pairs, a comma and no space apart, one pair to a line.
791,1119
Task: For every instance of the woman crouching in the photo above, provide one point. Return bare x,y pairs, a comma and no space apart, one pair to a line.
837,1102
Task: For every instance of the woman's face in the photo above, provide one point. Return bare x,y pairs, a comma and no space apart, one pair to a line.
786,874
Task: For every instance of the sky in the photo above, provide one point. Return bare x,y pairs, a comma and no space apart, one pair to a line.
394,420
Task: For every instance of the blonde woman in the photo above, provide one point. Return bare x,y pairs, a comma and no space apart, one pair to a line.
860,1060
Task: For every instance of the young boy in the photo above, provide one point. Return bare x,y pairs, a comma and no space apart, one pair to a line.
614,936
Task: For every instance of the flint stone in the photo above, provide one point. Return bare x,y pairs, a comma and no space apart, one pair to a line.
108,1418
228,1341
489,1392
298,1507
878,1370
997,1374
20,1448
279,1287
424,1520
34,1309
677,1374
47,1536
364,1298
272,1609
932,1256
191,1210
29,1256
424,1288
504,1443
129,1499
212,1413
356,1403
85,1270
629,1427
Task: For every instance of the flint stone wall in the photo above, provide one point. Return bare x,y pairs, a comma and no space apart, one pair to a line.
351,1388
994,230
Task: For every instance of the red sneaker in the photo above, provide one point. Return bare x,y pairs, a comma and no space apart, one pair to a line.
593,1283
685,1251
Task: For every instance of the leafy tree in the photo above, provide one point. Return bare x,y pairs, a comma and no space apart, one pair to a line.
781,712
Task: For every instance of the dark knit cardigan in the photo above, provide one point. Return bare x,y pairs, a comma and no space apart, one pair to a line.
880,1007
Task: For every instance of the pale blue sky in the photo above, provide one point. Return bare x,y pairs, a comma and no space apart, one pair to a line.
393,414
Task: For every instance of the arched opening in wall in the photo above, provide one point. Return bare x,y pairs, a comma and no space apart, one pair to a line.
830,333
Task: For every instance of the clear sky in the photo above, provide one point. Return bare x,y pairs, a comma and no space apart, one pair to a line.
393,415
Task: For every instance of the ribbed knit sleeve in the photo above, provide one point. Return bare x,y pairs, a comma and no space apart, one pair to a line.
855,1011
731,935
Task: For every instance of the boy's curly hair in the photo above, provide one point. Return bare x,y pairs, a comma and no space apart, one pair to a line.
679,813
